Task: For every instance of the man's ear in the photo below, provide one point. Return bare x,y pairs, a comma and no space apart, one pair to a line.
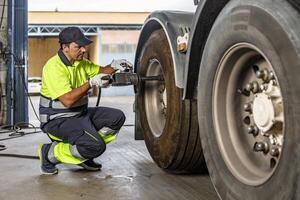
65,47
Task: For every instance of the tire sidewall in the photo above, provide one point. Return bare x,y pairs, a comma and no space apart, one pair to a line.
162,148
254,27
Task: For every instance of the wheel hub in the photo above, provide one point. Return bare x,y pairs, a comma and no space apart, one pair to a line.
155,99
263,112
267,107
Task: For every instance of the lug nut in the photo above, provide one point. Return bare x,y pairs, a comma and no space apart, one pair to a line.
243,92
272,140
248,107
261,147
249,87
252,87
255,87
253,130
259,74
164,111
271,76
263,74
274,152
263,87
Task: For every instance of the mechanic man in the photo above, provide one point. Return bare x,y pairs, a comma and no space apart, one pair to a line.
78,133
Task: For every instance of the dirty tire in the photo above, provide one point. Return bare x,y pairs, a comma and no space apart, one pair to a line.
273,27
172,138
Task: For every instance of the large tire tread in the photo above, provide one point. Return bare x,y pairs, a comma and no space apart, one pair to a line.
185,154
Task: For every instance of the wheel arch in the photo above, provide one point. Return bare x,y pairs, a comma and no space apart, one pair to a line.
169,21
172,23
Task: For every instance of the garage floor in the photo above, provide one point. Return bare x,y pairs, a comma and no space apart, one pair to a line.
128,171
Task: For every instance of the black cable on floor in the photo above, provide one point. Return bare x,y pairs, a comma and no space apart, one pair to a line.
18,156
3,147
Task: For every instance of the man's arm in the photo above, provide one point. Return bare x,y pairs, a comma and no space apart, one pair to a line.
71,97
74,95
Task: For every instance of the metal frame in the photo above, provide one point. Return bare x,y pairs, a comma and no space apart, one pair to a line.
17,104
89,30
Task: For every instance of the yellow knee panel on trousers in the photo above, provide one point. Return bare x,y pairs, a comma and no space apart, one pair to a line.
63,154
107,138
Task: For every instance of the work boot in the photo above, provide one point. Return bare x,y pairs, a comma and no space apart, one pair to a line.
47,167
91,165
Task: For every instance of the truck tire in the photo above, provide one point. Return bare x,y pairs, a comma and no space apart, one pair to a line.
169,124
248,97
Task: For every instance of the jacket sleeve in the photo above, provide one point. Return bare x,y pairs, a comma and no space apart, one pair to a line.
91,68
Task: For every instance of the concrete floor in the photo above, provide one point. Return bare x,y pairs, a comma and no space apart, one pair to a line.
128,171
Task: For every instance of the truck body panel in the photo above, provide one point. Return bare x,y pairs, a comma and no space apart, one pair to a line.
173,23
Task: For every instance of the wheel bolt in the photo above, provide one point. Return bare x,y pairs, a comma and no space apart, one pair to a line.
274,151
163,111
259,73
252,87
248,107
263,74
271,75
255,87
249,87
261,147
243,92
272,140
263,87
253,130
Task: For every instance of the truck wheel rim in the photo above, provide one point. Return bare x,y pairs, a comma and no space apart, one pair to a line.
155,99
248,114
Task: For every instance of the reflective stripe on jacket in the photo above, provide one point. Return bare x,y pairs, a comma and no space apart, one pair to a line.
54,109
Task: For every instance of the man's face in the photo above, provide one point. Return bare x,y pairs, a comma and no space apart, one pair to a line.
74,51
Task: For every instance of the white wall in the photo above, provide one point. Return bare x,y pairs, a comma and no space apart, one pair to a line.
110,5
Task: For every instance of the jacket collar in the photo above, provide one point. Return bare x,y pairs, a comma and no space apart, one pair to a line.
63,58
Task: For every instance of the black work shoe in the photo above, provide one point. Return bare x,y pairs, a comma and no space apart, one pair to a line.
90,165
47,167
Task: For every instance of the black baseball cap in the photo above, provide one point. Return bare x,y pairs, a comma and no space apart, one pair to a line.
73,34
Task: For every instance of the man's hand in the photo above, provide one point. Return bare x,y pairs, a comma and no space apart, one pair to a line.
101,80
106,70
121,64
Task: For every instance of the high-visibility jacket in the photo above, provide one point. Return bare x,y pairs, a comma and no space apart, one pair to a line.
59,77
